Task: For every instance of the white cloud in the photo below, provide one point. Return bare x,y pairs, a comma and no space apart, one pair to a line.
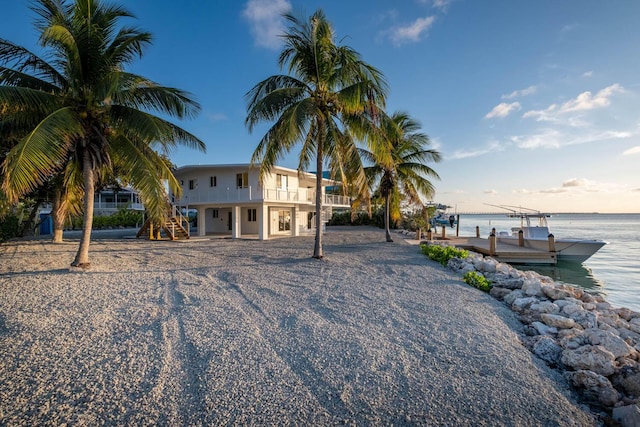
522,92
583,102
503,110
465,154
587,74
552,138
553,190
575,182
217,117
265,18
632,151
491,191
442,4
412,32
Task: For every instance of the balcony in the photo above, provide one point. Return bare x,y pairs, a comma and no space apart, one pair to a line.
249,194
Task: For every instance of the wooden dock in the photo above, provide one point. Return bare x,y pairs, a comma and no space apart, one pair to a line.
504,252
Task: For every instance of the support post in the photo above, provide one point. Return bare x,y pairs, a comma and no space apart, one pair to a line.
521,238
429,234
492,243
552,243
458,225
444,232
477,231
418,234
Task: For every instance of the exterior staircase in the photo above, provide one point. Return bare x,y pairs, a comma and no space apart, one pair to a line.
176,227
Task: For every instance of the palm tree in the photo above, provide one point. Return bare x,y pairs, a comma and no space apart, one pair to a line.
399,167
81,112
320,104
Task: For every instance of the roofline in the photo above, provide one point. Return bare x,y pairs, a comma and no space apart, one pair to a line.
187,168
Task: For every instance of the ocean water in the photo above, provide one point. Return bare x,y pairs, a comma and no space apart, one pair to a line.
613,271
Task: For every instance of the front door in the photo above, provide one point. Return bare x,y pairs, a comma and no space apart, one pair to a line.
284,221
230,221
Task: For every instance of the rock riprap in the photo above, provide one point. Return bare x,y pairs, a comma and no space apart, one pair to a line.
596,345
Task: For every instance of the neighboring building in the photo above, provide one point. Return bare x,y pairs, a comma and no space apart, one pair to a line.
109,201
229,200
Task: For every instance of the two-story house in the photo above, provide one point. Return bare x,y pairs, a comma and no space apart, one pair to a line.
230,200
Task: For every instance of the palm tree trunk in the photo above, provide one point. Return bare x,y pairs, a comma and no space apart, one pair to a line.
58,213
82,257
317,250
386,218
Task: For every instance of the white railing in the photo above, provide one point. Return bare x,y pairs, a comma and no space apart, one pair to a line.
248,194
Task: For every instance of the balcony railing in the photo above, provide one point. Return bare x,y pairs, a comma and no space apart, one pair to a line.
249,194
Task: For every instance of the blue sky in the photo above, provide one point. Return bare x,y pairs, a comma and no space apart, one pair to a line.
531,103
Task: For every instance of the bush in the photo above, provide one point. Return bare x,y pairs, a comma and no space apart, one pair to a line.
9,228
123,218
477,280
443,254
362,218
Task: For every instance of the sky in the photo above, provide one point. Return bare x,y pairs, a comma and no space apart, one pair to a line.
530,103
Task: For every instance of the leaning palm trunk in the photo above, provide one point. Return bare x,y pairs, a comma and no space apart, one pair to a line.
386,218
317,250
58,213
82,257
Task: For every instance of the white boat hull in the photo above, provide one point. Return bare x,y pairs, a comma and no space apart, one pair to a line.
572,250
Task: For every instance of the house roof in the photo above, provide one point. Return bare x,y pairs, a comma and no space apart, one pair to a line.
193,168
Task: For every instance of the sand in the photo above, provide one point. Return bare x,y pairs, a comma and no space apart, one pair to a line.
245,332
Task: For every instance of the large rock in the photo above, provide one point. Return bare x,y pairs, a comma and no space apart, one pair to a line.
544,329
571,308
498,292
532,288
627,416
596,388
555,293
586,319
593,358
634,325
521,304
557,321
545,307
509,299
627,379
610,341
546,349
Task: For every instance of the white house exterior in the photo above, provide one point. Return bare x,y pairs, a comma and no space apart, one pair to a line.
230,200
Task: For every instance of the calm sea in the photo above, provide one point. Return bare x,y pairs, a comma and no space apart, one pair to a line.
613,271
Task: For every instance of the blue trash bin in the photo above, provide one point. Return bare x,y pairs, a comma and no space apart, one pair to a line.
46,225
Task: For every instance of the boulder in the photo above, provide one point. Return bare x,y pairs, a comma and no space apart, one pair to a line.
627,416
627,379
626,313
586,319
571,308
532,288
555,293
521,304
596,388
613,343
510,298
593,358
546,349
544,307
544,329
634,325
557,321
499,293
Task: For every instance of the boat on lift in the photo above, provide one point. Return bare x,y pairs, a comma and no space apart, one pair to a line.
535,230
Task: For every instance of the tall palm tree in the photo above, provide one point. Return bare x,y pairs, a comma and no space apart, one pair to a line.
319,104
89,112
398,165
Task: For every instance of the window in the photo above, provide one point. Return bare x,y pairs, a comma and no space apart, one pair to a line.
252,215
192,184
242,180
216,213
213,181
282,181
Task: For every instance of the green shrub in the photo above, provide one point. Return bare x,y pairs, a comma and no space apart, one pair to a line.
443,254
477,280
9,228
